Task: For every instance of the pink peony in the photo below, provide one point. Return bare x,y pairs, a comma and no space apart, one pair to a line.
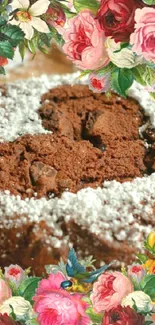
14,273
109,291
99,83
57,306
143,38
5,291
85,42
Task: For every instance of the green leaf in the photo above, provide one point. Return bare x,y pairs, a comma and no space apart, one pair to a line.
84,73
122,46
28,287
14,33
56,36
6,50
138,73
121,81
2,70
107,69
149,2
22,50
142,258
2,21
32,321
80,5
68,13
95,318
148,285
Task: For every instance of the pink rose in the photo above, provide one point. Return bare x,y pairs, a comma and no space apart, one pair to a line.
143,38
85,42
5,291
109,291
57,306
14,273
99,83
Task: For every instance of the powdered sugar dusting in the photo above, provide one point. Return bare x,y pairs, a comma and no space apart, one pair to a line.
118,211
18,110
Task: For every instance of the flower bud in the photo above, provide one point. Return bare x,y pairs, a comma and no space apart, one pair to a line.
136,272
55,16
15,274
99,83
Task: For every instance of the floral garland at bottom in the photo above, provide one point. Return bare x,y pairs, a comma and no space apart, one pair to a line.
76,293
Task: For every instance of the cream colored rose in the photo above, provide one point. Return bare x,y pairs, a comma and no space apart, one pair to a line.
124,58
21,307
141,299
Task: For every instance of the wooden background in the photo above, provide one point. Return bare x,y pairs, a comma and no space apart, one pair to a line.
54,62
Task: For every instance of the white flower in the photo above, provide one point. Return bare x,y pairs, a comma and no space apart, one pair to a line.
124,58
140,299
27,16
21,307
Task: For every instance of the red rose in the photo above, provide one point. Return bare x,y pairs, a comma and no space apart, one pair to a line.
116,18
6,320
123,316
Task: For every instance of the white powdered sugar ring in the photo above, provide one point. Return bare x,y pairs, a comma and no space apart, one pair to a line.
116,211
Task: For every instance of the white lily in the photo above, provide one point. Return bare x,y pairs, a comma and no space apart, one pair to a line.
27,16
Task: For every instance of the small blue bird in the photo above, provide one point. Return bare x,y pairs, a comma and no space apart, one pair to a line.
81,279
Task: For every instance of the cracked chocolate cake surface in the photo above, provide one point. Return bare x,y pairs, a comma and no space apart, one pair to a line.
76,169
93,139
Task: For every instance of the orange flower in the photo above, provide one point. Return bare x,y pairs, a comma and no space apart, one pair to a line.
150,266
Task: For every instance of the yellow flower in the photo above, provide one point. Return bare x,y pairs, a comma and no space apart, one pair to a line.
151,239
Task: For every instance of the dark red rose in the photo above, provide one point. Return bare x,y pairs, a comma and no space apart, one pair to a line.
123,316
116,18
6,320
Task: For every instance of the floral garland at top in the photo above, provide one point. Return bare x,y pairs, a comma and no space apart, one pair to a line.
75,293
112,41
